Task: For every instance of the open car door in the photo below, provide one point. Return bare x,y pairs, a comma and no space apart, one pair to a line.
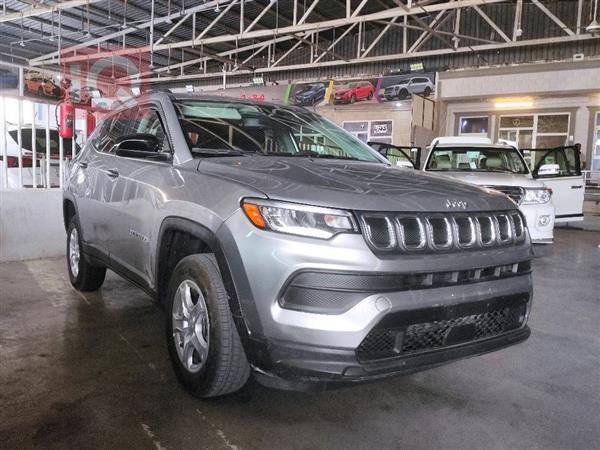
560,169
399,155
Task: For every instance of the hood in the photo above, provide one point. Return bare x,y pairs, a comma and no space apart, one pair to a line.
350,185
494,179
342,91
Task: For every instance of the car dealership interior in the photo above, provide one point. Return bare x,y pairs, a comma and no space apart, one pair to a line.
337,224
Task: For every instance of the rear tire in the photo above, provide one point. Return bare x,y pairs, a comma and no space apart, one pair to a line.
203,342
427,92
83,275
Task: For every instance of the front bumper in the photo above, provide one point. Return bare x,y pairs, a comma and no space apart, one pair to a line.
540,222
309,369
311,346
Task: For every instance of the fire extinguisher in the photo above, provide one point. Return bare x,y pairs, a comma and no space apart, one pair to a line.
66,120
91,123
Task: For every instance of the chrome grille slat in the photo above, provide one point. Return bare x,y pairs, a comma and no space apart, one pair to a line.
442,231
515,193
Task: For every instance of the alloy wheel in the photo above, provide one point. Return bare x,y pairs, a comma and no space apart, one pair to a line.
191,326
74,253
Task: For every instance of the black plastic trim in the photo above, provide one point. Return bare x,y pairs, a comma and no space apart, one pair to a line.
310,369
249,308
358,285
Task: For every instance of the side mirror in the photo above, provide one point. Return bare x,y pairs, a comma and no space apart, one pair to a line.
404,164
139,146
546,170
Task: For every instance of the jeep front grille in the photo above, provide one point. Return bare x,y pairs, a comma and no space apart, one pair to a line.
515,193
390,232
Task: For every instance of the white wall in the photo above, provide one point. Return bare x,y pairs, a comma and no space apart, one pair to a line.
31,224
530,79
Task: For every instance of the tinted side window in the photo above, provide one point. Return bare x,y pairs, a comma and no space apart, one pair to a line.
113,129
147,121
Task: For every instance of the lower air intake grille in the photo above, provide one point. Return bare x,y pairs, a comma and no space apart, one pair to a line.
395,338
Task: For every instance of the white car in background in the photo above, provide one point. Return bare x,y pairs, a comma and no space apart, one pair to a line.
27,161
552,192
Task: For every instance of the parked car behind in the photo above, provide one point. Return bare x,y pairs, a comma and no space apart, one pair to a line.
310,95
544,195
12,158
415,85
354,91
282,246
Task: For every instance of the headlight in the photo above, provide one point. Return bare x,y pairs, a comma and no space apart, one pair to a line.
302,220
536,196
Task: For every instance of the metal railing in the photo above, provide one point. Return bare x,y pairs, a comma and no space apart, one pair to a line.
592,185
27,123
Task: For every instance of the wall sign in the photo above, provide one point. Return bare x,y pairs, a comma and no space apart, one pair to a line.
371,130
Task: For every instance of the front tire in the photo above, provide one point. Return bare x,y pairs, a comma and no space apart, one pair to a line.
83,275
203,342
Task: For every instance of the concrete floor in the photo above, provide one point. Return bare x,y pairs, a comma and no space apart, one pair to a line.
92,371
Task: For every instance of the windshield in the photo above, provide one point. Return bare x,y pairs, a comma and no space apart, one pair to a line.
474,159
235,128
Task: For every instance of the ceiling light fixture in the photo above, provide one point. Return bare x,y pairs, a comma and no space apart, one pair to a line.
594,26
513,104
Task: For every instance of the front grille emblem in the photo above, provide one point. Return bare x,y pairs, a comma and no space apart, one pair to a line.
456,204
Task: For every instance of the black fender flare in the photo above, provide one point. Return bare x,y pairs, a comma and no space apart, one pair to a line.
241,303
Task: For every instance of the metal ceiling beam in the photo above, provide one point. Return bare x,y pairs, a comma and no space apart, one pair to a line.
555,19
491,23
38,10
336,41
132,29
391,57
293,29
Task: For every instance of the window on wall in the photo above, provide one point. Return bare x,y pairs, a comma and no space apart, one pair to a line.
535,131
596,149
474,125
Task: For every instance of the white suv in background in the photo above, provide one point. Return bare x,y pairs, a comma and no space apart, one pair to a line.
503,168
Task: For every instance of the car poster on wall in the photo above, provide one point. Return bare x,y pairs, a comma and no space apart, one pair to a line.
401,87
354,91
360,91
43,84
310,94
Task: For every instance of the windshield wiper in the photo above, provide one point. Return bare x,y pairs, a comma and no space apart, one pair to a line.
217,152
311,154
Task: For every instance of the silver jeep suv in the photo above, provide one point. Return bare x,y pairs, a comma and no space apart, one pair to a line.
281,245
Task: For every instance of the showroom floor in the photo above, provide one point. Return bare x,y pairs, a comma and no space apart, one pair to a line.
92,371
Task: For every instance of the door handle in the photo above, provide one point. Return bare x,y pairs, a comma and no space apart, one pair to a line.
82,164
113,173
577,187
